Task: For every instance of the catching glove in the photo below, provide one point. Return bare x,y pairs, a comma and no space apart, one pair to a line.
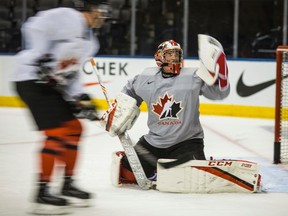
213,66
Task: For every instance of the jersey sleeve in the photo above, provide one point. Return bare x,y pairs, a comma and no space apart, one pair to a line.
213,92
129,89
36,38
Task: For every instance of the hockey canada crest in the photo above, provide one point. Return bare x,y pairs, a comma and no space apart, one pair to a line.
167,107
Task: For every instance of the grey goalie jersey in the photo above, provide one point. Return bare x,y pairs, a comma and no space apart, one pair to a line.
173,104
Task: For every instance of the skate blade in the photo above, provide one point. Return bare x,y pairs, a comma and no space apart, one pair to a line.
45,209
78,203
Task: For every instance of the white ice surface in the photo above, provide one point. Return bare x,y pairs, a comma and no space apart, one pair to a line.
225,137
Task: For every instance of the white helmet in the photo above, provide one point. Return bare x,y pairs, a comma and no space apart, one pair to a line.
99,11
85,5
165,47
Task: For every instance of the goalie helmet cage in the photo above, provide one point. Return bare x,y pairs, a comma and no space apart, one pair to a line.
281,106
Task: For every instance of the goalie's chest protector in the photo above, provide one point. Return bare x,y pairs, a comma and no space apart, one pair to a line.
173,105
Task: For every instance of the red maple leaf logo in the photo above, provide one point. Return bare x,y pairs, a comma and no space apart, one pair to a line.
157,108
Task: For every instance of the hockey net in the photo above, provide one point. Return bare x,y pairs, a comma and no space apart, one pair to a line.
281,106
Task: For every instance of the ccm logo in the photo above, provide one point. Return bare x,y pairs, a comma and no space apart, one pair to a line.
220,163
246,165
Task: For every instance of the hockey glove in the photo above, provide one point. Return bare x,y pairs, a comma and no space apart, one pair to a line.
84,108
45,66
121,116
54,73
213,67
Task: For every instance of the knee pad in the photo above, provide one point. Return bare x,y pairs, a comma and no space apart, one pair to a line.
120,174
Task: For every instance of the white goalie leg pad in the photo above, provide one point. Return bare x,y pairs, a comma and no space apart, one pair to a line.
116,168
209,51
121,116
216,176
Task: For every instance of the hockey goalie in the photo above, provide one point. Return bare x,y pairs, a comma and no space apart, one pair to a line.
172,152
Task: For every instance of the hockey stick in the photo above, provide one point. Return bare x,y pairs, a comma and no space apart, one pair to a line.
127,144
185,158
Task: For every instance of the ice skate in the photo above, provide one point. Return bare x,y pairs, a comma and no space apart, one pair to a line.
48,204
76,196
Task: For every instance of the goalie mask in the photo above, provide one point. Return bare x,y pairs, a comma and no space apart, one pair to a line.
169,56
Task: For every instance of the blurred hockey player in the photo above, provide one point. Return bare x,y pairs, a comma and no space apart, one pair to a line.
171,93
47,79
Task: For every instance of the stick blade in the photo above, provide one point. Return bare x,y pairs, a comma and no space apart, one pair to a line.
176,162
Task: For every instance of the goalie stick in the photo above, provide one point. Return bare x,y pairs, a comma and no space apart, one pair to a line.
179,161
127,144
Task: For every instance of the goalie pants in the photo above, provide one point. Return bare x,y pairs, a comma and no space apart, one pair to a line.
54,117
194,148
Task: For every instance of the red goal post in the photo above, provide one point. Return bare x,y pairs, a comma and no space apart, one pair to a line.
281,106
